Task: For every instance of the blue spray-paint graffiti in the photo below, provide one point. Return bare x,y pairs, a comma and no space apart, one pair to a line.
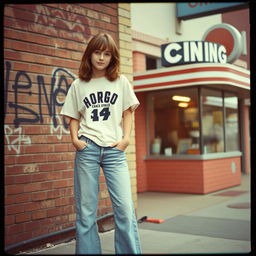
60,83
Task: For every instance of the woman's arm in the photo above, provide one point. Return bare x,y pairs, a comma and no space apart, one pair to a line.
127,127
74,126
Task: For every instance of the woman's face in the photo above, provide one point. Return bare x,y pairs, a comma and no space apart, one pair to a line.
100,59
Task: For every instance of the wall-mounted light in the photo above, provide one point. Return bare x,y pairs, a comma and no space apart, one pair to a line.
181,98
183,104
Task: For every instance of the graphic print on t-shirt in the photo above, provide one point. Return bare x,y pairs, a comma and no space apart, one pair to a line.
100,103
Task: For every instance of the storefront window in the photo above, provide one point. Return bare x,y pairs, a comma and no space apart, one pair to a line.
153,62
231,122
212,121
174,124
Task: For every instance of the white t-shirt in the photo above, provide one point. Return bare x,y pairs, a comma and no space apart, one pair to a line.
99,105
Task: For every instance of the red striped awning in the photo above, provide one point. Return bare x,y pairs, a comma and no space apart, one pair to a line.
192,74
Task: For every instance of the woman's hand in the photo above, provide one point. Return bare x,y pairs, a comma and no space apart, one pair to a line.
122,144
79,144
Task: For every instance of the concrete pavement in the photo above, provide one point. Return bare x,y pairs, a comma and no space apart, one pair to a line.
218,222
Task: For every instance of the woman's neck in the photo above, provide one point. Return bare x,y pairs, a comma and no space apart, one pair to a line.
98,73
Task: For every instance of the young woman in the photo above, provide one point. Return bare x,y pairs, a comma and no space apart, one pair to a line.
100,104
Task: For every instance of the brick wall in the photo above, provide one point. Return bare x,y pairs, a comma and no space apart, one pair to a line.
43,46
126,68
221,173
193,176
175,176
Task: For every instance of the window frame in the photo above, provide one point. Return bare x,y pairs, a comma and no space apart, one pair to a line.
202,155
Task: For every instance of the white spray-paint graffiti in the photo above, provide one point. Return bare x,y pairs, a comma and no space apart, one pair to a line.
59,130
15,138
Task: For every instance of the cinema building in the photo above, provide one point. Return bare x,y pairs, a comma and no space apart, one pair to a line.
192,127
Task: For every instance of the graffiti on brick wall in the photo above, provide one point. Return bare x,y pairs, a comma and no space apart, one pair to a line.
15,138
26,113
70,22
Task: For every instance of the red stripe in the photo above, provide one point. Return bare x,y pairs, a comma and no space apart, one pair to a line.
217,79
191,70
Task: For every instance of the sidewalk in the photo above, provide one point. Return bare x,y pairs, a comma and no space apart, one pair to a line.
218,222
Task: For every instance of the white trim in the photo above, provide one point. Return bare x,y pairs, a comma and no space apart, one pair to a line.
210,156
188,66
224,74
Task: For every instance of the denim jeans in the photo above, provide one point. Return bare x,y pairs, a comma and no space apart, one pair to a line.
87,169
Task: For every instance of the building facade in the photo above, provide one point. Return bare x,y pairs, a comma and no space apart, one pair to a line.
43,46
201,145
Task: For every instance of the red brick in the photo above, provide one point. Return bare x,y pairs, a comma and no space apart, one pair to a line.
53,194
54,175
10,160
12,55
14,189
47,204
62,201
21,237
33,129
59,166
39,215
16,228
38,196
21,66
23,217
67,156
67,174
9,180
60,184
24,159
53,212
67,209
46,167
67,191
32,225
70,165
29,207
23,178
72,200
9,200
13,209
32,187
40,232
70,182
47,185
61,148
38,176
22,198
53,157
8,220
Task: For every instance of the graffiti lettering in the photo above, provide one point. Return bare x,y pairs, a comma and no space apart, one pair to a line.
60,83
18,86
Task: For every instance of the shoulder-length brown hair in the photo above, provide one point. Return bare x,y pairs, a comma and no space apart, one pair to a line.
101,41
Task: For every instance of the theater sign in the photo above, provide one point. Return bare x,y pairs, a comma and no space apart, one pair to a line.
221,43
192,52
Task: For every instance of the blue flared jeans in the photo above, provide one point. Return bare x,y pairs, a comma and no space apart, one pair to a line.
87,169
